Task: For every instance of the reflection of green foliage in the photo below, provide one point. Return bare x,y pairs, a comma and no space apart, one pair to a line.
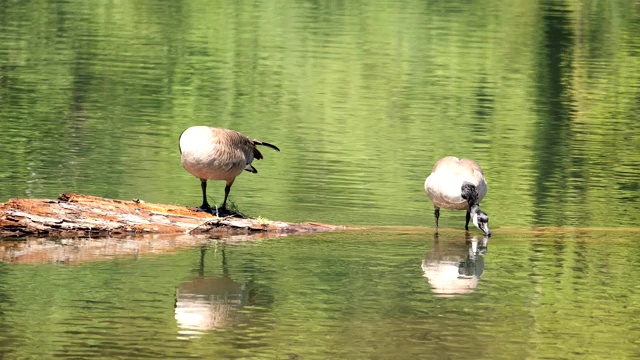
362,97
338,295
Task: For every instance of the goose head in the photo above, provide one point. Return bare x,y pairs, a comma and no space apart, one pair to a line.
480,220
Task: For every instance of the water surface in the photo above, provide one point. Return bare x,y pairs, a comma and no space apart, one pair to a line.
352,295
362,97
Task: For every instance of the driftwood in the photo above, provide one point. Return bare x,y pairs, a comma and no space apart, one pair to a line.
74,215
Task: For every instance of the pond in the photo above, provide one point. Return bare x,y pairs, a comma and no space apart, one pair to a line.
394,293
362,97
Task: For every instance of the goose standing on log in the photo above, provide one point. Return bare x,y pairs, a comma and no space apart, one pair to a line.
210,153
458,184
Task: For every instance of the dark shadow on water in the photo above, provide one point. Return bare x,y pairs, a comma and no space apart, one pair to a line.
454,266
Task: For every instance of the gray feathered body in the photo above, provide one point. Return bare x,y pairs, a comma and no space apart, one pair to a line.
443,186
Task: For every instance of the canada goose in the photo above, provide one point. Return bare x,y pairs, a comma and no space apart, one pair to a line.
458,184
210,153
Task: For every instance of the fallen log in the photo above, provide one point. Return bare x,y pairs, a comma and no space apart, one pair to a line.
76,215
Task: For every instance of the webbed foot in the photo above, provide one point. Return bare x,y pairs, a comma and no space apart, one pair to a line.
206,208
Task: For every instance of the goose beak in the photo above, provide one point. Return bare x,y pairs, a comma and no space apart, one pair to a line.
485,228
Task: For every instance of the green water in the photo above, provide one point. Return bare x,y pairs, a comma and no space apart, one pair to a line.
350,295
362,97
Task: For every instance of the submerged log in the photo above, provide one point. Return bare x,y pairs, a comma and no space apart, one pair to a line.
73,215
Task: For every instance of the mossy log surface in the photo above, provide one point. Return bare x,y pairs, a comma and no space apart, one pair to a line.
74,215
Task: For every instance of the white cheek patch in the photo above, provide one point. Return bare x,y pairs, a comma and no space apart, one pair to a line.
474,218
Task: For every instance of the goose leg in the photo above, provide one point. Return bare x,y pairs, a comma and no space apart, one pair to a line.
227,189
437,213
205,205
222,211
466,224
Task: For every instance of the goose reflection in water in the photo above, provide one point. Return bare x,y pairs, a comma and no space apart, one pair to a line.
209,302
452,267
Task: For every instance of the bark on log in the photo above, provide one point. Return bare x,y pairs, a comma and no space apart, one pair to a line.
73,215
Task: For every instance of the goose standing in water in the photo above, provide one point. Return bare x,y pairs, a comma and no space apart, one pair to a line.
210,153
458,184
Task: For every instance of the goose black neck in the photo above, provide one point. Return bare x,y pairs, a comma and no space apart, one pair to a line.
469,193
